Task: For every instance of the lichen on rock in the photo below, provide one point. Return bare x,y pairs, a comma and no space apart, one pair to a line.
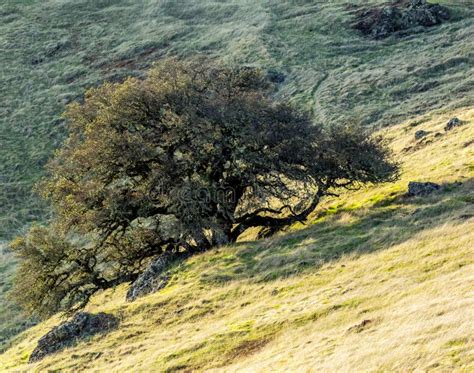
82,325
401,16
421,189
154,278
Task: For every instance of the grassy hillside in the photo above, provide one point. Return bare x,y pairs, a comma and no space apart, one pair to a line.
52,50
376,282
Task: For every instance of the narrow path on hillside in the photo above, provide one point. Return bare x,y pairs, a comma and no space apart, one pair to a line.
316,106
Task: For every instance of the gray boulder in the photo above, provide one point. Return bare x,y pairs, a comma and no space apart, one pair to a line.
421,189
82,325
452,123
154,278
420,134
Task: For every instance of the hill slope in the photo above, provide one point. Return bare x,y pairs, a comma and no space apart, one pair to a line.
52,50
378,281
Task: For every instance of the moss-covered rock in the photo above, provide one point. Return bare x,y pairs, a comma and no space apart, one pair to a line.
66,334
379,23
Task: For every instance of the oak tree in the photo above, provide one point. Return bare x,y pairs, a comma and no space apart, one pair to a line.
185,160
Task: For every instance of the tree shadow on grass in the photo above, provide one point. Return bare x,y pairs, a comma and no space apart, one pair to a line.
12,319
385,224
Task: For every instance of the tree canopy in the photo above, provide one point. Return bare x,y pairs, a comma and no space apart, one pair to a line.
185,160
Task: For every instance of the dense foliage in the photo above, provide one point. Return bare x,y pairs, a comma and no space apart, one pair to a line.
185,160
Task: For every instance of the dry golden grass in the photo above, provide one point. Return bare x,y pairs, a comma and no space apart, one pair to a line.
377,282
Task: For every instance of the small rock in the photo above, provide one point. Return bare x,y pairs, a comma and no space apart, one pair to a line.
453,122
82,325
275,76
421,189
36,60
360,326
420,134
154,278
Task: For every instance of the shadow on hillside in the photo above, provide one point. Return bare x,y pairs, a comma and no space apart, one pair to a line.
12,320
380,227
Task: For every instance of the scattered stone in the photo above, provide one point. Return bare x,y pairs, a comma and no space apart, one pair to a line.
82,325
275,76
421,189
379,23
360,326
419,145
452,123
154,278
57,47
420,134
36,60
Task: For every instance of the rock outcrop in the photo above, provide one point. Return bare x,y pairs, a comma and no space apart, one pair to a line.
452,123
379,23
420,134
154,278
82,325
421,189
